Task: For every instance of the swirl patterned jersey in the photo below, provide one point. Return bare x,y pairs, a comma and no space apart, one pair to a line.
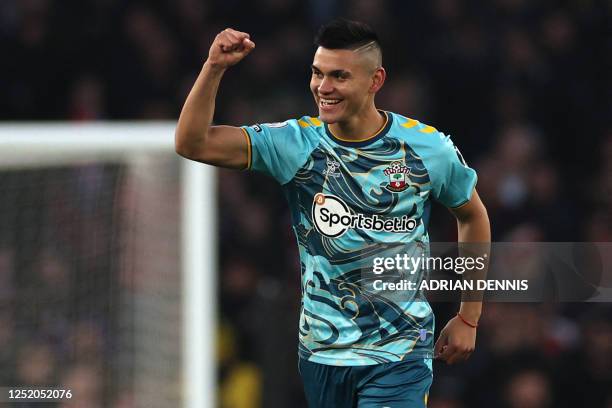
352,202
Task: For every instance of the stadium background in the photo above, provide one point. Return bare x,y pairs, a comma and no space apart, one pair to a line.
522,86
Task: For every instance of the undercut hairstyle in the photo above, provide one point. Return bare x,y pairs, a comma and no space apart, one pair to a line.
342,34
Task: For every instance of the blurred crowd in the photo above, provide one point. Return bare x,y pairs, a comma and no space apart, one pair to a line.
58,285
522,86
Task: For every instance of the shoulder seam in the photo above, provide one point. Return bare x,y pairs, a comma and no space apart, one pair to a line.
308,121
410,123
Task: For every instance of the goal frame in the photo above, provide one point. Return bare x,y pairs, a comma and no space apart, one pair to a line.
48,144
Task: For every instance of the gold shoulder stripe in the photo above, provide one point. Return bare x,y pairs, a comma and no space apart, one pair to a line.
303,123
410,124
428,129
315,121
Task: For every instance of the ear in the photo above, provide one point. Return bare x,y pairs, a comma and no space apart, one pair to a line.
378,79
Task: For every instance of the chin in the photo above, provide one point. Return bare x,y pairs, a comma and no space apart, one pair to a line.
328,118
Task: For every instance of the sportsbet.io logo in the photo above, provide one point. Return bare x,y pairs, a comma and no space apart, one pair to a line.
332,218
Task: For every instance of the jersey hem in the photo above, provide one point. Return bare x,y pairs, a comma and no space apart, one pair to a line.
355,362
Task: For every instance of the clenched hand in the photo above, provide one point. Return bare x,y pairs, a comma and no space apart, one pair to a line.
456,342
229,48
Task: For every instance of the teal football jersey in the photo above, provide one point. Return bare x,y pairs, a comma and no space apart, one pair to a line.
352,202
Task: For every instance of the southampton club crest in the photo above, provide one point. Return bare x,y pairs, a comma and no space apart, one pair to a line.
398,177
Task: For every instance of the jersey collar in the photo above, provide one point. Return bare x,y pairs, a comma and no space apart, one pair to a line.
364,142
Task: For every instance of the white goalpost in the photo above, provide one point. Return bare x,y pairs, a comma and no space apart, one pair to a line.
168,289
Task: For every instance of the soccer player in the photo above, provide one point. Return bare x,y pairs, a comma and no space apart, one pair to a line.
357,178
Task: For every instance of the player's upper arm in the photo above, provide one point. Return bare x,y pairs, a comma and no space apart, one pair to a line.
470,210
225,146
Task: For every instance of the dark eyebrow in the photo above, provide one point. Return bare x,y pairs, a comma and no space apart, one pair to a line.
336,73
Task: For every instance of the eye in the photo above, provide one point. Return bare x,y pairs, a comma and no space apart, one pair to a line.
317,74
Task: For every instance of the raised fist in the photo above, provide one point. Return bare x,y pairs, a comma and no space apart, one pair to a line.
229,47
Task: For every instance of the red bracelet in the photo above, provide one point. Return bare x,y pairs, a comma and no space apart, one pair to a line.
472,325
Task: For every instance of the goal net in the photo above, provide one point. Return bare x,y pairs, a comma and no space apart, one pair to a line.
107,265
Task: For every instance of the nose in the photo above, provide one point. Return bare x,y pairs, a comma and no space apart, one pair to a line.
325,87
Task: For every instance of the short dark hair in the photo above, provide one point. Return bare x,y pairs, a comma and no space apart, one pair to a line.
342,34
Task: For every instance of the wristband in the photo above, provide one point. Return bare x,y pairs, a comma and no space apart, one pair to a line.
472,325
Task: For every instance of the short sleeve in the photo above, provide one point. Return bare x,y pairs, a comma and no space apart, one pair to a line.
276,149
453,180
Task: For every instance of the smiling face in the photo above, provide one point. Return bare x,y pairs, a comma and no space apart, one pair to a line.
344,82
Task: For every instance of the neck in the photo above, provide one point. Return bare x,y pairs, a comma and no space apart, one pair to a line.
359,127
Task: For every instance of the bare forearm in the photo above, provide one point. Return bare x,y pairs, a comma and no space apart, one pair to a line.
196,139
458,338
198,110
474,235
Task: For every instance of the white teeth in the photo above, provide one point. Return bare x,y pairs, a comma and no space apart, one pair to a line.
327,102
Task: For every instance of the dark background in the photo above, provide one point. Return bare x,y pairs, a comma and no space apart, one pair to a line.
524,88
